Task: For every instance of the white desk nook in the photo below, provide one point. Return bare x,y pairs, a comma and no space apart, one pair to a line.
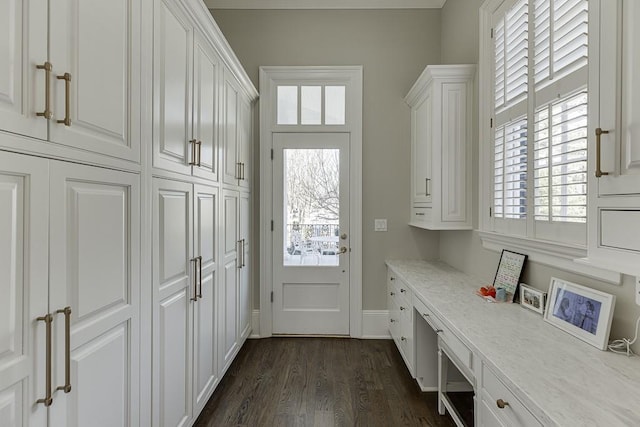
524,371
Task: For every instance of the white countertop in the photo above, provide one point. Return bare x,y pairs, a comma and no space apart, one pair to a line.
562,380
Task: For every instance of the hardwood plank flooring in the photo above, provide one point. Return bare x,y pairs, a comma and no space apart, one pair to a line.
320,382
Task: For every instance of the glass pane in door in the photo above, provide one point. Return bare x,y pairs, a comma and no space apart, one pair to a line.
311,207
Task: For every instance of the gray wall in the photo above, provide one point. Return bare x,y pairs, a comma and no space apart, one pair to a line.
463,249
393,46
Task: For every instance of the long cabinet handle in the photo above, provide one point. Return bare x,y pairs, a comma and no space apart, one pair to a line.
47,67
195,279
242,171
199,144
243,260
67,99
599,132
47,319
199,276
193,143
426,187
240,253
67,349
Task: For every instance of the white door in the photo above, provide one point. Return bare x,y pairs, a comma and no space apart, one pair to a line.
96,45
311,233
205,361
231,169
23,45
228,338
175,291
172,75
94,263
24,221
206,66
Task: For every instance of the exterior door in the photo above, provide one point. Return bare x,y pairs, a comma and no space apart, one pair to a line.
94,271
311,233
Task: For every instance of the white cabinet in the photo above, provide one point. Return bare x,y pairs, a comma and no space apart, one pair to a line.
441,103
245,303
185,299
73,77
401,318
186,101
77,340
237,143
614,157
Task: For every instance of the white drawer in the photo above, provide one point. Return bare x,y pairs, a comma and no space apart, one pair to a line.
620,229
496,394
420,214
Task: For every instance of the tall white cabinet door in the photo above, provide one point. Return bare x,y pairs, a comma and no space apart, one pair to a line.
98,44
174,293
244,293
205,108
172,74
205,360
229,287
94,270
24,219
421,147
231,169
245,132
23,45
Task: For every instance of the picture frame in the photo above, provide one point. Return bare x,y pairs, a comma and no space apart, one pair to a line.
509,272
580,311
532,298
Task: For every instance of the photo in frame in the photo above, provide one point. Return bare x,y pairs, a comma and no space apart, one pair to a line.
580,311
532,298
509,273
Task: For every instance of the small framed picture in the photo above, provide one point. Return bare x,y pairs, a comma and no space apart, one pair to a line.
583,312
532,298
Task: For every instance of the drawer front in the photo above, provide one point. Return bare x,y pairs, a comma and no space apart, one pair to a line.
487,416
421,214
620,229
514,413
459,350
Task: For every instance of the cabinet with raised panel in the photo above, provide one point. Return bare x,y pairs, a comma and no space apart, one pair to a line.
614,156
73,74
441,127
237,132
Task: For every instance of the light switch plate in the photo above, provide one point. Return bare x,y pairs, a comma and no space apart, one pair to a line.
380,225
638,290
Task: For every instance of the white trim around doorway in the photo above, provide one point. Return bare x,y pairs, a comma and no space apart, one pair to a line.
270,77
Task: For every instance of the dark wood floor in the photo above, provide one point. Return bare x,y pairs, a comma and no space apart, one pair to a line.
320,382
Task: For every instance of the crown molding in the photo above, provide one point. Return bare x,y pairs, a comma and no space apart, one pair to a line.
325,4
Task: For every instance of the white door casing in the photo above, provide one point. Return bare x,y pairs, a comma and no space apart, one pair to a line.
308,298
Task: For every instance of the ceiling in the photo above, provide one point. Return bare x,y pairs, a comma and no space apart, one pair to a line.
324,4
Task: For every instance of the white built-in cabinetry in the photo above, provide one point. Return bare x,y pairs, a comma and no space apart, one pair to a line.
441,102
614,154
400,306
112,221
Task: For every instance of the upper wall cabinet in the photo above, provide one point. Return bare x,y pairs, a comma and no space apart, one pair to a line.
186,101
237,134
614,157
73,73
441,129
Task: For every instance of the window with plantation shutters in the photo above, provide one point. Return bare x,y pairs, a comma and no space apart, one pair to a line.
539,119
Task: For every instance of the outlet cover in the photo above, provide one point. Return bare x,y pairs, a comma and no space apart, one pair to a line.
638,290
380,225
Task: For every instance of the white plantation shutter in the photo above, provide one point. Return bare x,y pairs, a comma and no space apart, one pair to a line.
510,170
516,46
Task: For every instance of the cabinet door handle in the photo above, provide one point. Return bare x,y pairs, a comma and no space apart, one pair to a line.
47,319
67,99
199,276
392,293
501,403
238,170
402,308
392,320
47,67
243,260
195,279
426,187
403,290
193,143
599,132
403,339
239,255
199,145
392,278
67,349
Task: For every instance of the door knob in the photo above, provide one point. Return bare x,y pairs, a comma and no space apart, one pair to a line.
343,250
343,236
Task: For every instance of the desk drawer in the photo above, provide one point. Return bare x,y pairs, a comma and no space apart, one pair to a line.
514,412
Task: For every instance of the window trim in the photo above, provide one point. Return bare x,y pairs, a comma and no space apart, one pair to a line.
572,258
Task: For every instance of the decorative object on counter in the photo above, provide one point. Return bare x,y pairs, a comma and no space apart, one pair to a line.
501,295
509,272
487,291
532,298
583,312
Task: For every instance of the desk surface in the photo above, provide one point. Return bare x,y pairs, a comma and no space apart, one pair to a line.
562,380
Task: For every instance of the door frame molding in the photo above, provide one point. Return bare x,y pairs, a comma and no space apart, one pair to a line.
270,77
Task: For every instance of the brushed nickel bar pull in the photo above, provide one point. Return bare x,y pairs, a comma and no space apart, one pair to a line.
426,187
67,99
243,260
48,400
199,144
199,276
242,170
195,279
599,132
239,257
47,67
193,144
67,349
238,170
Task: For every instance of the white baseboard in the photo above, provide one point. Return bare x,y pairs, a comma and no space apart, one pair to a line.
374,324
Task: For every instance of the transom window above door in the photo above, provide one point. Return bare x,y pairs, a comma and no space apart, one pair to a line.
311,105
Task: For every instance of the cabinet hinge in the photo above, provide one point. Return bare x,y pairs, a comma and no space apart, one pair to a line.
272,154
492,33
272,225
271,296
